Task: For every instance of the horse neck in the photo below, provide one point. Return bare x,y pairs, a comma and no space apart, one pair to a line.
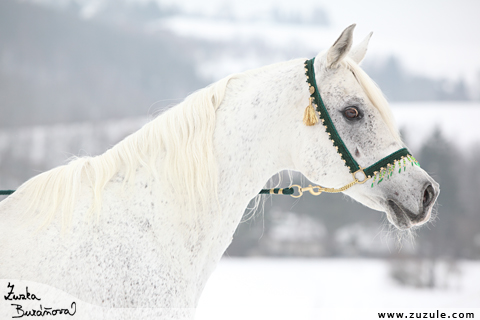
254,129
251,143
252,139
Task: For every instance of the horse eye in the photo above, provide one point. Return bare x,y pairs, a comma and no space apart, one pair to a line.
351,113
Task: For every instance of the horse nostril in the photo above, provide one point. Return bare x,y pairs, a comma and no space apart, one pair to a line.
428,195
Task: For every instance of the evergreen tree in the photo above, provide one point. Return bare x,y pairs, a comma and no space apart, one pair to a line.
443,161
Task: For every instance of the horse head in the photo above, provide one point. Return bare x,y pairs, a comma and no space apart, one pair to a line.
361,116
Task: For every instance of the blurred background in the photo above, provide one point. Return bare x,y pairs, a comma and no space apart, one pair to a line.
76,76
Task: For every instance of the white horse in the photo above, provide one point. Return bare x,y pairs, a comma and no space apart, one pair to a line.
144,224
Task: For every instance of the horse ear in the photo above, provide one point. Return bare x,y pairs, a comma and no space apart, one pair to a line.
341,47
358,52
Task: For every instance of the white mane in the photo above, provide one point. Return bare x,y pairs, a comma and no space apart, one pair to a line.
182,132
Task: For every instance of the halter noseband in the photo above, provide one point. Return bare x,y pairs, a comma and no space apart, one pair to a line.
380,170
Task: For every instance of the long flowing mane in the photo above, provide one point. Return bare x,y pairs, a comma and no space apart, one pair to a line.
182,132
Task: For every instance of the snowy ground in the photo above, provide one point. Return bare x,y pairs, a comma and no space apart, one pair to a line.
325,288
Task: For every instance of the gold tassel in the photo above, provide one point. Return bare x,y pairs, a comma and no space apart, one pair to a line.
310,116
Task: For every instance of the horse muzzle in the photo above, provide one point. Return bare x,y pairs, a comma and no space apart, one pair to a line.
404,218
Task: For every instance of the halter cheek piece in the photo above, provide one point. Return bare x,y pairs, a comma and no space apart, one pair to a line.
380,170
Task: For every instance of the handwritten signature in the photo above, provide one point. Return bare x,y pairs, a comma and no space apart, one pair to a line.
12,296
41,311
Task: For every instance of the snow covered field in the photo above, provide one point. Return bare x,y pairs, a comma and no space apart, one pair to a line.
325,288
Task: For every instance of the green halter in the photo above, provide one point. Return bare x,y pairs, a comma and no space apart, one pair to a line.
380,170
342,150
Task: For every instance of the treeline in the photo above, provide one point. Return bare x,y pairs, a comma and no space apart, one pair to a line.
56,67
333,225
400,85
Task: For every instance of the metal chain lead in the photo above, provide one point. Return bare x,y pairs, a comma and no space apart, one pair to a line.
317,190
320,189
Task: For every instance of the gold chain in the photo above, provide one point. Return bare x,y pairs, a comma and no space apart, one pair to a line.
320,189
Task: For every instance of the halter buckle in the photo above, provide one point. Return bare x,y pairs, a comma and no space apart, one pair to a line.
365,178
